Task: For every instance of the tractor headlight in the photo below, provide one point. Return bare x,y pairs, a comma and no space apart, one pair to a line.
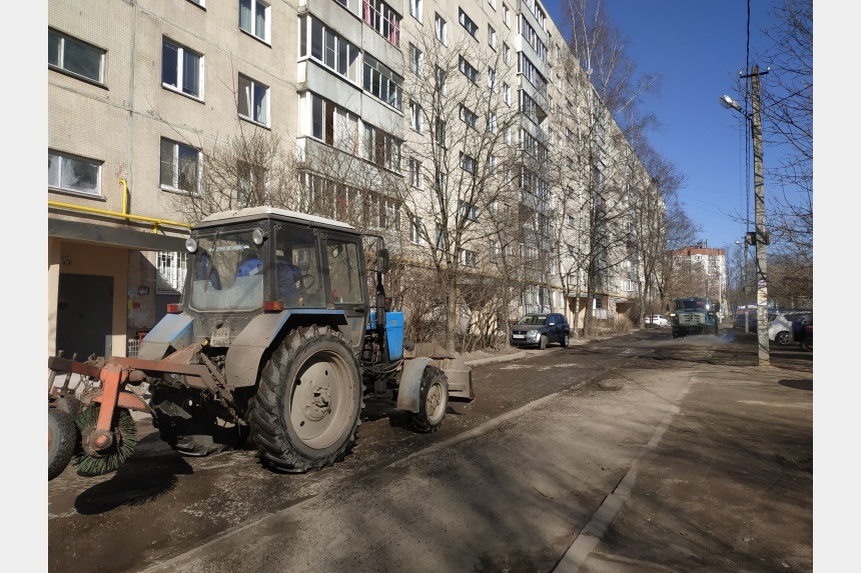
191,244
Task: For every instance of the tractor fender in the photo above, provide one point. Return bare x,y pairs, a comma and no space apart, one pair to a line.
243,357
172,330
409,388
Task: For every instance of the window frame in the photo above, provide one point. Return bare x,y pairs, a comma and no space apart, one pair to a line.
176,179
56,184
416,9
85,48
265,101
415,116
467,69
467,23
440,29
181,51
254,20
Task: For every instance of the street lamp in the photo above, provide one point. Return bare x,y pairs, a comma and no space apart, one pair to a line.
760,237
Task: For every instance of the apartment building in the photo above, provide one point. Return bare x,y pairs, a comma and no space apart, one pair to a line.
450,128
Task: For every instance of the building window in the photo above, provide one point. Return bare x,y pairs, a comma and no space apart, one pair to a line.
381,148
440,28
330,49
385,21
251,184
491,122
468,258
253,101
171,271
416,178
334,125
468,163
439,133
416,235
382,82
416,60
181,69
440,80
491,36
506,53
416,9
467,69
180,167
468,211
415,116
468,116
491,79
506,93
492,3
71,173
76,57
254,18
506,15
467,23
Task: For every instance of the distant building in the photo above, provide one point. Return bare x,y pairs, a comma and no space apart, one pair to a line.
701,271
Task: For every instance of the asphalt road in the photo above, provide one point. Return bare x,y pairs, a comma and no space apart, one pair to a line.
633,453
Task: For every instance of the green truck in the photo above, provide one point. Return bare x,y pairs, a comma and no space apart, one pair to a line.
695,315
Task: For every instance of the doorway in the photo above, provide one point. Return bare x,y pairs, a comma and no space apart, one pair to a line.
84,311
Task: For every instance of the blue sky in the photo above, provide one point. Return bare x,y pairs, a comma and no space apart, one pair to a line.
698,48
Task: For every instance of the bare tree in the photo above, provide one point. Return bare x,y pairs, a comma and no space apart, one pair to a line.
458,163
600,148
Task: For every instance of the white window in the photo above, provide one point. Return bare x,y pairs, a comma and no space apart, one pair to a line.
416,178
439,132
492,3
381,148
492,163
468,116
383,19
333,124
415,116
416,60
382,82
506,15
506,53
468,258
180,167
171,271
467,69
330,49
491,122
440,28
416,235
467,23
76,57
253,101
491,36
181,69
468,211
506,93
416,9
440,80
468,163
254,18
71,173
491,79
251,187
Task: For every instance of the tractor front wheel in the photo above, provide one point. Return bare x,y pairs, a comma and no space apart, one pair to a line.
433,401
305,413
61,441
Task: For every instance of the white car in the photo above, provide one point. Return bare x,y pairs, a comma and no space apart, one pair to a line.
657,320
780,327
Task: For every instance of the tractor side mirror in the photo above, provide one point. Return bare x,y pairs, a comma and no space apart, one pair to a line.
383,261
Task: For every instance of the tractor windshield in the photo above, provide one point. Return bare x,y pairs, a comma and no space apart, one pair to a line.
228,273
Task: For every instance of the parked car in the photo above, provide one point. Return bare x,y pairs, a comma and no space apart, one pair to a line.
780,326
802,331
657,320
540,329
738,323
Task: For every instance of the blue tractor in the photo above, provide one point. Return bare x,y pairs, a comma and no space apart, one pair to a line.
276,342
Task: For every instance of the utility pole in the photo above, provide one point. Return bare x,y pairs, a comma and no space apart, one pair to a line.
760,236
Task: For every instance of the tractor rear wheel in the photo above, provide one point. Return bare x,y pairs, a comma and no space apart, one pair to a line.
191,425
62,436
305,413
433,401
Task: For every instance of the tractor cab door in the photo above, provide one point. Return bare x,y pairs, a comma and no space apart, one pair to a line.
348,288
